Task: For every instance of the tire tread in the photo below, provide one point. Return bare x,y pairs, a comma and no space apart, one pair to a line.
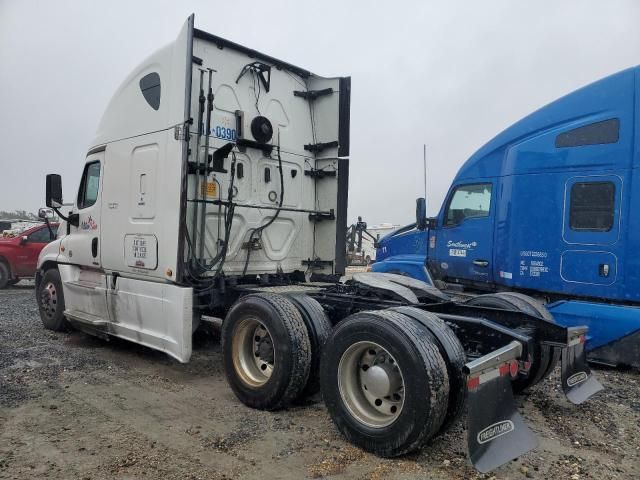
455,357
319,328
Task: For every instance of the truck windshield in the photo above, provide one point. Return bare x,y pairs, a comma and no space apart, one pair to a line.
469,201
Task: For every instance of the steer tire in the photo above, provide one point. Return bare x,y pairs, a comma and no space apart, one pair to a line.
319,328
424,379
50,298
291,351
542,312
453,352
542,354
4,275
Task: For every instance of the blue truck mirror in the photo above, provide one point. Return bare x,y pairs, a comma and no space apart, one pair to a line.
421,213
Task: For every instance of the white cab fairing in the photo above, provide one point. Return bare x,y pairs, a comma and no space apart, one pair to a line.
157,315
240,96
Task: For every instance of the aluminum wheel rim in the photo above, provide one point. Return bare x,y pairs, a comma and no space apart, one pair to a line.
253,352
49,299
371,384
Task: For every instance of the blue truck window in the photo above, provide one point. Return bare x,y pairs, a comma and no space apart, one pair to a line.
598,133
469,201
592,206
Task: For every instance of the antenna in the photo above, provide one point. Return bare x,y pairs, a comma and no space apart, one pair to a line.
424,157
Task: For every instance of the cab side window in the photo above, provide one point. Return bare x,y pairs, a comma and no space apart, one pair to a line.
592,206
89,185
468,201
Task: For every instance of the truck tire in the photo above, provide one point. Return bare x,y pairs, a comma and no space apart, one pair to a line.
402,402
50,298
4,275
266,351
319,328
455,357
542,353
542,312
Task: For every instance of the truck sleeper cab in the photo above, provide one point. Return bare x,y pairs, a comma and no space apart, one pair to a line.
546,208
217,187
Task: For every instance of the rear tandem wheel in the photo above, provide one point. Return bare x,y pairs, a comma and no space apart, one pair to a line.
544,357
265,350
384,382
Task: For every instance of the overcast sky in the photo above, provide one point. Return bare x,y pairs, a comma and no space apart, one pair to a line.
448,74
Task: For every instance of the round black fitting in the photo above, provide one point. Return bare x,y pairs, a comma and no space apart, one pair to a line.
261,129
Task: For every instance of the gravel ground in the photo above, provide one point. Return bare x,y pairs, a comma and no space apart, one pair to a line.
73,406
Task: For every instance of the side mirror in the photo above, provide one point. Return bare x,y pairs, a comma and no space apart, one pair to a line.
45,213
54,191
23,240
421,213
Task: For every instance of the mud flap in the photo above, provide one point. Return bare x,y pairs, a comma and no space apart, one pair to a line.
578,383
496,431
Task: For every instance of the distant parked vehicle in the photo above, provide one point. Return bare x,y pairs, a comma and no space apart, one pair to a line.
19,255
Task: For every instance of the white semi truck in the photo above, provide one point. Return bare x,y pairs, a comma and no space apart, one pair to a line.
217,187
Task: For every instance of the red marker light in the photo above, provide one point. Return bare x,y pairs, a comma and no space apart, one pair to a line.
513,367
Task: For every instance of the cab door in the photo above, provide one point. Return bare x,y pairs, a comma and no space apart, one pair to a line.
591,233
83,279
464,240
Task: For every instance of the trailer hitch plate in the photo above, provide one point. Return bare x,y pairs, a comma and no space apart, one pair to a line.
578,383
496,431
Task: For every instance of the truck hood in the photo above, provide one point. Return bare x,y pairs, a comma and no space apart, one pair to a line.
405,240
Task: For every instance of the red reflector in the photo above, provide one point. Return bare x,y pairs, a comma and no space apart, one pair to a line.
513,367
504,369
473,382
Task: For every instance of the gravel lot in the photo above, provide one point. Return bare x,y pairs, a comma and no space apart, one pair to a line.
73,406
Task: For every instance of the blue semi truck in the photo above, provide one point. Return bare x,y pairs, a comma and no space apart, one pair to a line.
547,208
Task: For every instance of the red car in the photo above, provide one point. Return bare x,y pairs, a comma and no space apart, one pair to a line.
19,255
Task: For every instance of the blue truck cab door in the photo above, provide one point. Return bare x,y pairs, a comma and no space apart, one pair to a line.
461,246
591,233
